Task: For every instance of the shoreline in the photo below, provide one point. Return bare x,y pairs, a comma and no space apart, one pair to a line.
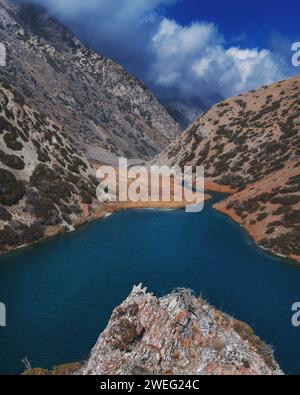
51,232
233,217
213,187
111,208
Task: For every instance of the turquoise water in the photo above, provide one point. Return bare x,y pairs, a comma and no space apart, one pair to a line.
60,294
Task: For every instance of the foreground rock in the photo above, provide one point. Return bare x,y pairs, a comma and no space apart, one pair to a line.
177,334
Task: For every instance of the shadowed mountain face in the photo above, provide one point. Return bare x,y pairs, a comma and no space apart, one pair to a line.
251,144
185,112
109,112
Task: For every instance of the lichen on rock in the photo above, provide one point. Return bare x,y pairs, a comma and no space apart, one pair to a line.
178,334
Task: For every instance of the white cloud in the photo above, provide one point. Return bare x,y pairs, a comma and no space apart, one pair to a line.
195,59
187,61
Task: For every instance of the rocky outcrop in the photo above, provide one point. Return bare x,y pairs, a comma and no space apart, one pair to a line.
109,112
250,144
177,334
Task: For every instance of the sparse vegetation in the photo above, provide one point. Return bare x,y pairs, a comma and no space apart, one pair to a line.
246,333
126,334
60,370
11,190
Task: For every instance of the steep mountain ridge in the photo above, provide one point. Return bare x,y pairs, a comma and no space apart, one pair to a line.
251,144
47,186
63,108
108,111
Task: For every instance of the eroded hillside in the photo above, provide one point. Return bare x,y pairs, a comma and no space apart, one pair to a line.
108,111
251,144
46,185
270,210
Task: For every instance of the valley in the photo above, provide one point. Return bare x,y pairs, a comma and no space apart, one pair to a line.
65,110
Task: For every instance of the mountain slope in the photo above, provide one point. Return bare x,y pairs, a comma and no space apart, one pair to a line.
186,111
109,112
270,210
251,144
46,185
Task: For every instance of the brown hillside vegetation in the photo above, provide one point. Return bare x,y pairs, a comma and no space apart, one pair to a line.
250,144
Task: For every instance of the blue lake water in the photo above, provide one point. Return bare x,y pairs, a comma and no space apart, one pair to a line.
60,294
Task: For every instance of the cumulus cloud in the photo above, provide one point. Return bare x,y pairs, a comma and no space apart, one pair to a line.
177,61
195,57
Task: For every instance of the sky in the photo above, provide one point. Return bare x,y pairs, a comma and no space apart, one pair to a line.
189,49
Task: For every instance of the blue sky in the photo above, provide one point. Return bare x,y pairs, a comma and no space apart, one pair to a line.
255,20
190,49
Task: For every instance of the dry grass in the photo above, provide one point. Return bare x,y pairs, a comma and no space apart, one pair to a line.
60,370
261,348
